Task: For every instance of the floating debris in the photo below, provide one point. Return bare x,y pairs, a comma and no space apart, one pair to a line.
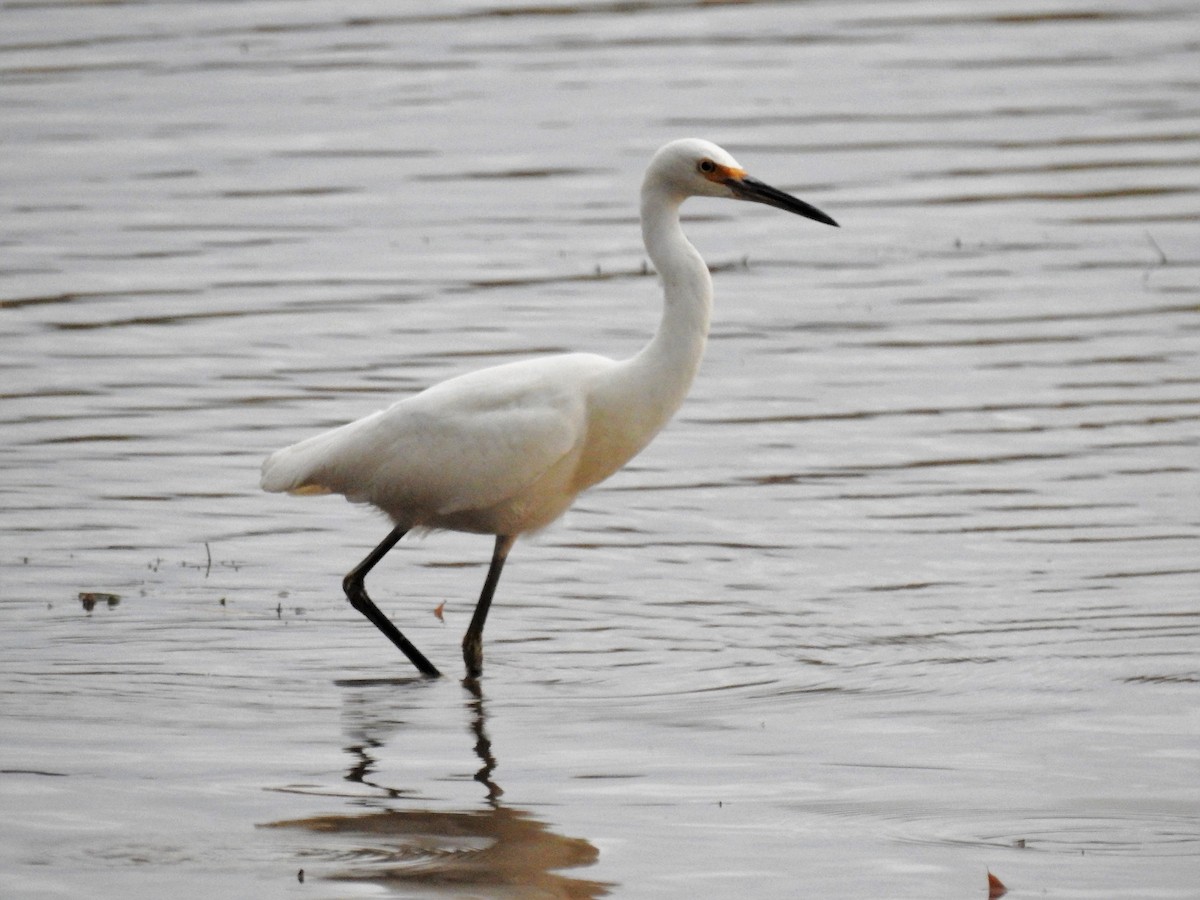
996,888
89,599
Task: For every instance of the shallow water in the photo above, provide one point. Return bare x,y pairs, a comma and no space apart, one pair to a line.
908,590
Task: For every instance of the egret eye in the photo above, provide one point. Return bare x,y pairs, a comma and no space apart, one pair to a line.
707,167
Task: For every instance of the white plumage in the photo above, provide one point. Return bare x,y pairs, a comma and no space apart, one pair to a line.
505,450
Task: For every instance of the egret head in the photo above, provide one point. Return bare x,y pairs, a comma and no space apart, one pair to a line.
695,168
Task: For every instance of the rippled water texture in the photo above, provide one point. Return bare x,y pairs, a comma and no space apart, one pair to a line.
908,591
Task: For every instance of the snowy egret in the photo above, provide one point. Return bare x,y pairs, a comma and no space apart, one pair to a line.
505,450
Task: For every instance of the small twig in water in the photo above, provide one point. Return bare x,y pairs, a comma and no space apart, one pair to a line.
1162,257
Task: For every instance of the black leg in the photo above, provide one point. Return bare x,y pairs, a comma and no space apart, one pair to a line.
356,592
473,640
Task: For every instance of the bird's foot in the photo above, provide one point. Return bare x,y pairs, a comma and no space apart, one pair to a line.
472,647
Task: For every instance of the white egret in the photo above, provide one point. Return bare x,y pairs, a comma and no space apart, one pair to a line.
505,450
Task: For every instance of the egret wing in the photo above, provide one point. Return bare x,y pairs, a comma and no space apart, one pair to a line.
447,464
469,443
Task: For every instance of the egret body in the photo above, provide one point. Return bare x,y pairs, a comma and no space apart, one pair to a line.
505,450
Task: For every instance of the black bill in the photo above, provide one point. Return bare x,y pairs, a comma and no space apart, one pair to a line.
747,188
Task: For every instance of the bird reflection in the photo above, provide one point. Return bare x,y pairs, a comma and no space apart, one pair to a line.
483,744
494,851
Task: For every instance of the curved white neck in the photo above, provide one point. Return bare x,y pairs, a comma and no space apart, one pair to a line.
635,398
668,364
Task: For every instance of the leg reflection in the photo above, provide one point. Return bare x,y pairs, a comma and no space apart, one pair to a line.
483,744
494,849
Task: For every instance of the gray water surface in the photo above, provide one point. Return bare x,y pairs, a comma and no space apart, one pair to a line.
909,590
